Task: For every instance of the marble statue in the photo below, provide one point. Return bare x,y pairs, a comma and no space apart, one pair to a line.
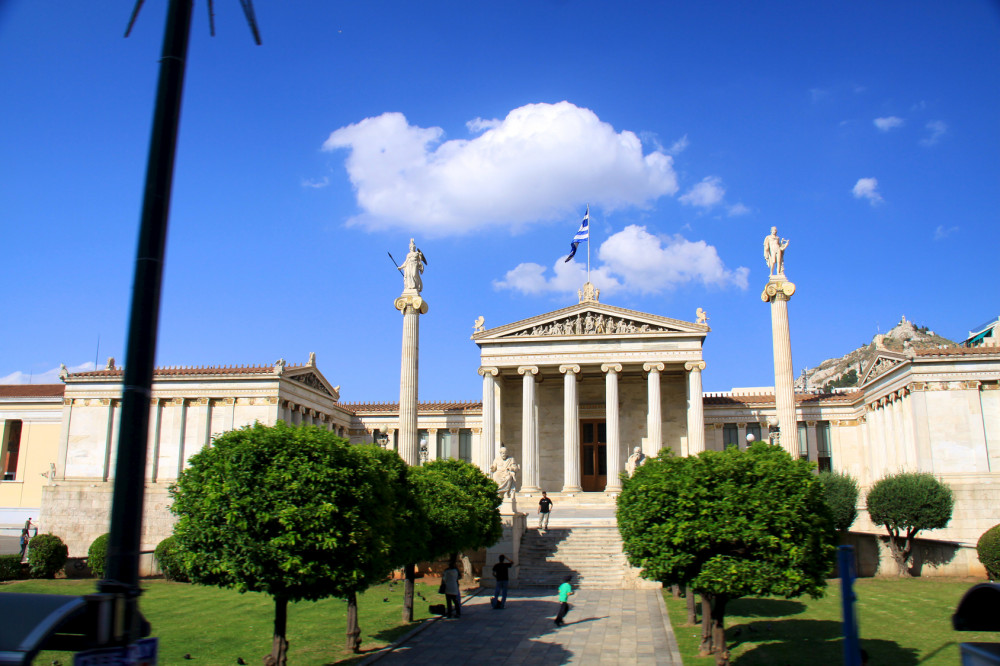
636,460
477,326
504,470
412,267
702,317
774,252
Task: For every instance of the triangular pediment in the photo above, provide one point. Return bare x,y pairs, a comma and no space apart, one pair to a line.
591,319
313,378
884,362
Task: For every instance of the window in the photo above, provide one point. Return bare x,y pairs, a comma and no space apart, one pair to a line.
445,445
730,435
803,441
754,429
465,445
10,449
825,450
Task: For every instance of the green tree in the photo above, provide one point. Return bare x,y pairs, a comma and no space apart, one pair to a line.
728,524
840,490
295,512
988,550
97,555
461,507
905,504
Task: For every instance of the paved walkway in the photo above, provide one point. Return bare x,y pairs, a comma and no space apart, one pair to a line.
602,627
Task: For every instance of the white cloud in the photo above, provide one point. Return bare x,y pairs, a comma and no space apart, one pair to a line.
943,232
315,184
937,129
47,377
538,163
477,125
705,194
738,209
867,188
888,123
679,145
632,260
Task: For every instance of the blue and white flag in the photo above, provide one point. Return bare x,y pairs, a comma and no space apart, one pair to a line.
582,235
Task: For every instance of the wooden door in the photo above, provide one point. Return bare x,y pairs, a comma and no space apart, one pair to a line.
593,455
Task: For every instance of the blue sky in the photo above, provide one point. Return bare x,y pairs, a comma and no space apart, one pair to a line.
866,132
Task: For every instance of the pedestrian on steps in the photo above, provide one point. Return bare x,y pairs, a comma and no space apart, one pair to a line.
544,509
565,590
501,572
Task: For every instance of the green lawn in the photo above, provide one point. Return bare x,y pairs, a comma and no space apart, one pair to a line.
903,622
216,626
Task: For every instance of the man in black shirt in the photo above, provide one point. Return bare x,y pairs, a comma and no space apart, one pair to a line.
501,572
544,509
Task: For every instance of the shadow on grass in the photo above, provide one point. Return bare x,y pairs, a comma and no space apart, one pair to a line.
753,607
821,641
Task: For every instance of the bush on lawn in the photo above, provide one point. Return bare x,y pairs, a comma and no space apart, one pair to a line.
988,548
168,555
47,554
97,555
10,567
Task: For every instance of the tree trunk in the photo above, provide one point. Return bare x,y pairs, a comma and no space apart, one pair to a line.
692,611
409,575
676,591
279,646
353,630
705,648
899,554
719,630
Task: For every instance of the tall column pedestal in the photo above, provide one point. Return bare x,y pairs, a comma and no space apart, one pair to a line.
412,306
778,292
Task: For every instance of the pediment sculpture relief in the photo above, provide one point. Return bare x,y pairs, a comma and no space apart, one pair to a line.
312,382
881,366
589,324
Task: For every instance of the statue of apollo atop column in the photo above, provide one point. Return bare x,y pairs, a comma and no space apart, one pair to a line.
411,269
774,252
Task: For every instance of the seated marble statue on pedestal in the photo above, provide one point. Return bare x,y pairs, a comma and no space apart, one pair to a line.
636,460
504,469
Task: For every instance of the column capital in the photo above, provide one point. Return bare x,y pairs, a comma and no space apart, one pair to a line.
527,369
777,290
432,431
811,424
692,366
409,302
657,366
611,367
570,368
487,370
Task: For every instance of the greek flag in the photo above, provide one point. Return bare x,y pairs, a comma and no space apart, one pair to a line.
582,235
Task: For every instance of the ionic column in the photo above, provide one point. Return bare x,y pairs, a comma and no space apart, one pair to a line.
571,430
741,435
654,420
412,306
696,408
899,442
529,432
611,371
487,449
777,293
432,444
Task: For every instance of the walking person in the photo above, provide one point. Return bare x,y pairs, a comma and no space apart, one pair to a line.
452,593
24,541
544,509
565,590
501,572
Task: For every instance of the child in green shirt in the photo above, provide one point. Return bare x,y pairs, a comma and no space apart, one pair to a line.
565,590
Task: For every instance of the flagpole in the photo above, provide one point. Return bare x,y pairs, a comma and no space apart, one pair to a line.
588,242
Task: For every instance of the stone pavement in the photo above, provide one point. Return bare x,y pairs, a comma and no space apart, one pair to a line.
602,627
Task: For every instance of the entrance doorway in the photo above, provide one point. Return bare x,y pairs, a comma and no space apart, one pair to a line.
593,455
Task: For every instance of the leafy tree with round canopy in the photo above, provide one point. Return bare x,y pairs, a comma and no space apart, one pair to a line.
841,493
295,512
906,504
460,506
728,524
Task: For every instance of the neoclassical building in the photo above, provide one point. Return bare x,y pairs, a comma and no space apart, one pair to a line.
570,394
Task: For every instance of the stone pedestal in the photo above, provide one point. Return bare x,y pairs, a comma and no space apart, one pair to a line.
778,292
412,306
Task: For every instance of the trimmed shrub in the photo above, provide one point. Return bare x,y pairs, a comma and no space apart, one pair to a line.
988,548
168,555
10,567
97,555
840,492
47,554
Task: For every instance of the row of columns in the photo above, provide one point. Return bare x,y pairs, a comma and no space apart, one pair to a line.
530,454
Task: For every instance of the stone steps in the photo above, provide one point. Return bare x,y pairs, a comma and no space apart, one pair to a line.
591,555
